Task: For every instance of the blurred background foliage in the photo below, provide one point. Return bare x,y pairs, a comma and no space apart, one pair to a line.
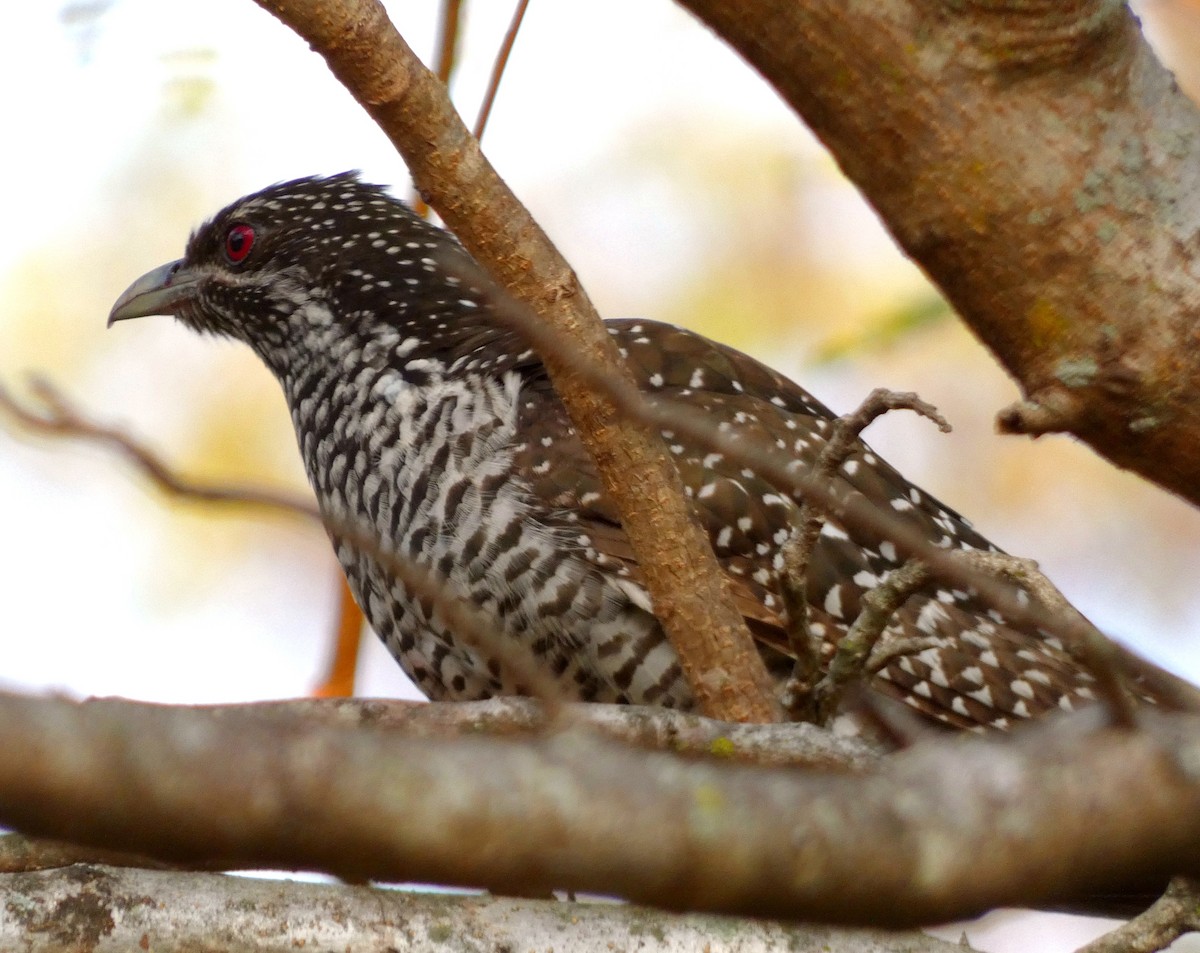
672,177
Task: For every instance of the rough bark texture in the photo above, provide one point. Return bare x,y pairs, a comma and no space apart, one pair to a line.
103,910
1043,167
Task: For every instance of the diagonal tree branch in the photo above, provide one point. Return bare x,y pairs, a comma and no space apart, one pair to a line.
685,582
1043,167
502,55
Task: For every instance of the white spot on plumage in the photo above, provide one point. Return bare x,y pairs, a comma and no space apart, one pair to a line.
833,601
930,616
983,696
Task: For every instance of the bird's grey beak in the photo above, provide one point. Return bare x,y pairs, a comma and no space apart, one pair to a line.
161,291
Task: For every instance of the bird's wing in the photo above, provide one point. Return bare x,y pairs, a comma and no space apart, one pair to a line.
960,663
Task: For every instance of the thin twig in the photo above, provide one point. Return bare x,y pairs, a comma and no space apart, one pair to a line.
1101,656
799,697
1175,913
338,680
344,664
493,87
448,35
850,661
443,66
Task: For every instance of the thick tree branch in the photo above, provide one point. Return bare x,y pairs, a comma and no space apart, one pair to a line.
115,911
681,573
941,831
1043,167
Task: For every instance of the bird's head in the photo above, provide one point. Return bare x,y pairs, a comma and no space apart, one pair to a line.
299,267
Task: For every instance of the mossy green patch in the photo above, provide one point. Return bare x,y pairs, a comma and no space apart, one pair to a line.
722,747
1078,372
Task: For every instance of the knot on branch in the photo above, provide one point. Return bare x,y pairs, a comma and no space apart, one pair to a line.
1050,410
1036,33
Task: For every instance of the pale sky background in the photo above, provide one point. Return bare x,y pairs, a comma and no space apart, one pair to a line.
669,174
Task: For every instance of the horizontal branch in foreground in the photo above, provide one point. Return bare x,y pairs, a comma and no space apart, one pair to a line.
115,911
941,831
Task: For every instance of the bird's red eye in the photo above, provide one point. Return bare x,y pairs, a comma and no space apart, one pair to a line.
238,242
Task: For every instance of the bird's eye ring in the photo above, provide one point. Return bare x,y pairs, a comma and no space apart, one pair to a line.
238,242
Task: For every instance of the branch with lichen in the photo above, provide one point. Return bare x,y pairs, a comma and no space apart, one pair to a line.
101,908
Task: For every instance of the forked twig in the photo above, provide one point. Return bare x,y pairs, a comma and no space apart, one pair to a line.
800,699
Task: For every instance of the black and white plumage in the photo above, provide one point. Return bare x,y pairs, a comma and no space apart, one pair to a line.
419,415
